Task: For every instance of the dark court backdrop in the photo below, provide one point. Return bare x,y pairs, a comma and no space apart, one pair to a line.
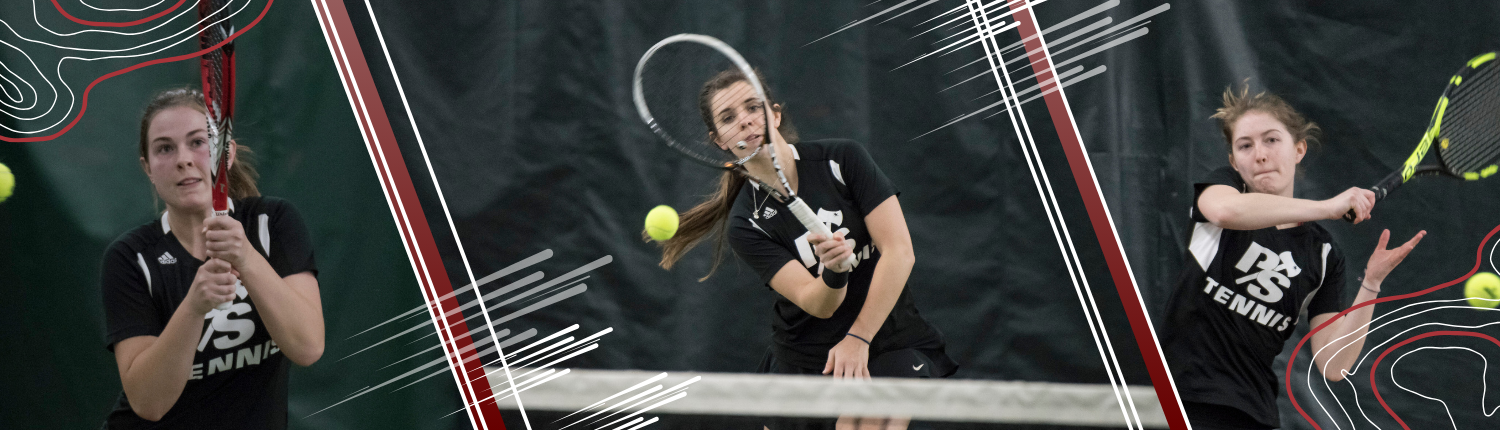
1369,73
525,112
75,194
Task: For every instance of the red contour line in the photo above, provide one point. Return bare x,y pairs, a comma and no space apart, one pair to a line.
85,104
70,17
1478,259
1376,390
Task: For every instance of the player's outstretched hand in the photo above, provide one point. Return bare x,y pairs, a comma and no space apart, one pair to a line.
1382,261
1358,200
214,284
225,240
833,250
849,359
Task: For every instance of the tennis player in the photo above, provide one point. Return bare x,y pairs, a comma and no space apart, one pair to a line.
1257,261
183,363
847,322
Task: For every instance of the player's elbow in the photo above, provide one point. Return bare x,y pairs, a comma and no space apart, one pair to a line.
1219,213
149,411
1335,373
901,256
821,313
307,355
1334,369
822,304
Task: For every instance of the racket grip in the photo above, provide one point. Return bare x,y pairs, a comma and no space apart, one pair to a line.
810,220
224,306
1381,189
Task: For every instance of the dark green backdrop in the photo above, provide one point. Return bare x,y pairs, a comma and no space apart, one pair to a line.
77,193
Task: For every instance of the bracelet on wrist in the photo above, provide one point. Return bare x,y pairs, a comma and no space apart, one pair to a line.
1366,287
866,341
835,280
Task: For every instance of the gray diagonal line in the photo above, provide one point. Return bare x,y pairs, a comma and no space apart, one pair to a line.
949,12
544,303
1070,21
1092,73
479,328
388,382
528,261
913,9
637,386
549,338
414,328
560,279
862,21
1029,90
507,343
1095,71
513,339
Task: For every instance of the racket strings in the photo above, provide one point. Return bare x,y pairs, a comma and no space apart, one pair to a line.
670,83
218,75
676,81
1471,124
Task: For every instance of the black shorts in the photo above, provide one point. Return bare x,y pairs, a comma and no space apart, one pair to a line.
901,363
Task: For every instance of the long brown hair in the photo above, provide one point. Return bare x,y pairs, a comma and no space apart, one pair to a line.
707,218
242,173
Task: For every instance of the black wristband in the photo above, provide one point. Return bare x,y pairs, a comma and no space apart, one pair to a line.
835,280
867,342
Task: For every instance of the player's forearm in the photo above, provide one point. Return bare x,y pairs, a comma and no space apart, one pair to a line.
1254,211
158,374
1348,334
294,320
819,299
889,279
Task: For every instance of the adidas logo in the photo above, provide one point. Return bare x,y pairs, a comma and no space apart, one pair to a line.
769,213
166,258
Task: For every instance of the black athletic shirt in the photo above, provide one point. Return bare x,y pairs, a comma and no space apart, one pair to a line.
839,181
1238,301
239,376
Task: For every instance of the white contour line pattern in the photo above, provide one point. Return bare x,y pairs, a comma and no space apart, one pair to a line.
1483,380
86,3
73,98
1369,329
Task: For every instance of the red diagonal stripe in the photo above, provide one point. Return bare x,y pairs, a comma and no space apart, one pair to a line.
1093,203
415,232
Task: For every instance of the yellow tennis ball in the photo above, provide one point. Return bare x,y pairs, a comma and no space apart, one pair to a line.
1483,285
661,223
7,183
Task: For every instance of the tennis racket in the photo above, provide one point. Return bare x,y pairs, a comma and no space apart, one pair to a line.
1465,127
669,84
217,68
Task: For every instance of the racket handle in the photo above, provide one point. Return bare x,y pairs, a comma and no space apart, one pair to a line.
1381,189
810,220
221,208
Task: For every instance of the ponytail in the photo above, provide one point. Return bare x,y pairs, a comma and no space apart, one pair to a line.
707,218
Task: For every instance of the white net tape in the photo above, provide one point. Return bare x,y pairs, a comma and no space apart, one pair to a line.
739,394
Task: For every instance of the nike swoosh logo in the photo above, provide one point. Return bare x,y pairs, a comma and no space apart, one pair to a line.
918,367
